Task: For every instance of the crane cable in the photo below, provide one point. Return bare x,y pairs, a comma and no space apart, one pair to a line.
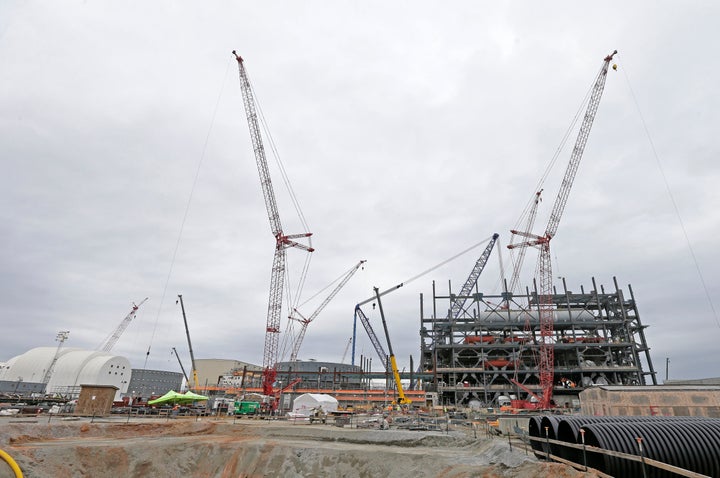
672,200
187,210
558,151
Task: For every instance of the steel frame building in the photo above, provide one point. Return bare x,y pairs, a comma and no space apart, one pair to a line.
492,344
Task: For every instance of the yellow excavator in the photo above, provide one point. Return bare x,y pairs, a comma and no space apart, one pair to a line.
402,399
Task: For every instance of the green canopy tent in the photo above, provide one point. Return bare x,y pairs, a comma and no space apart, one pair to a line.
171,397
193,397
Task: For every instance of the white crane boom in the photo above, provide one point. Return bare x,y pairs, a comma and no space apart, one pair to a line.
110,342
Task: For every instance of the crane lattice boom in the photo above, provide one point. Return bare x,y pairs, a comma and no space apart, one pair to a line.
578,150
306,321
461,298
518,262
546,358
110,343
371,333
282,241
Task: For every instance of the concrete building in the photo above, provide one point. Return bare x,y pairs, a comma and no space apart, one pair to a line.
227,373
64,370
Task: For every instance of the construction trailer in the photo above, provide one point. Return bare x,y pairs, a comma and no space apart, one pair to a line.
488,351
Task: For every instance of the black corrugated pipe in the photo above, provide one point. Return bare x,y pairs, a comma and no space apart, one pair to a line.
535,430
550,422
690,444
569,428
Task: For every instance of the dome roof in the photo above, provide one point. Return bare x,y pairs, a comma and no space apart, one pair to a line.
74,367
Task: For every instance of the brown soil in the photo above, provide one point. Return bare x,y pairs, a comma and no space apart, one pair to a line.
255,448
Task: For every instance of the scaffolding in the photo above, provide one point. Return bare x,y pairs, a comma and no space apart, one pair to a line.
481,355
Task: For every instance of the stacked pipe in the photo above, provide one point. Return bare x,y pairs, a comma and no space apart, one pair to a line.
691,443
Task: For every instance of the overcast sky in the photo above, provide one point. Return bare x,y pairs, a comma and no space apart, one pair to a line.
409,131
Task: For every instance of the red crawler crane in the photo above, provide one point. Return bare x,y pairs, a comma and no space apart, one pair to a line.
546,365
282,241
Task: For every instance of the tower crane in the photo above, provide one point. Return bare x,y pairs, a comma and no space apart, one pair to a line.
545,305
480,264
192,355
110,342
282,241
306,321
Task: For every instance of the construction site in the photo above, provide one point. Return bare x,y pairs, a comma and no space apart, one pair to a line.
487,351
507,384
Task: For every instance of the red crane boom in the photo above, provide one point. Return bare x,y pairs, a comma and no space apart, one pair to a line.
282,241
545,305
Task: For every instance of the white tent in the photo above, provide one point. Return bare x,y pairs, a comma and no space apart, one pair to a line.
307,402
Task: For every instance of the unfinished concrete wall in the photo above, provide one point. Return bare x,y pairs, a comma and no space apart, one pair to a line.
652,400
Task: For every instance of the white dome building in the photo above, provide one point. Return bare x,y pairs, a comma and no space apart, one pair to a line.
74,367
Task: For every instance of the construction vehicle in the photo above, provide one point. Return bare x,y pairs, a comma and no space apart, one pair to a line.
546,359
318,415
192,356
112,340
282,241
246,407
402,399
306,321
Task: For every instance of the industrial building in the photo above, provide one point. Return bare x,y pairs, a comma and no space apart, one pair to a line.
146,383
489,350
320,375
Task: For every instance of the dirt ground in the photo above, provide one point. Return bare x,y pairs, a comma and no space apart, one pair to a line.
256,448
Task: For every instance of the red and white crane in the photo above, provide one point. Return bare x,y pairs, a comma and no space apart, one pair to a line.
282,241
546,345
306,321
